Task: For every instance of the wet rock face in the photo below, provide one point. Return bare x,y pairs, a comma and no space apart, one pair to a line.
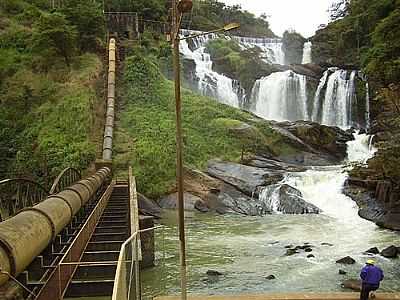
324,139
245,178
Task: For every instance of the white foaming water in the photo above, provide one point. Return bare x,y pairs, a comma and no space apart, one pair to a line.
361,149
271,49
307,53
210,83
336,108
281,96
322,186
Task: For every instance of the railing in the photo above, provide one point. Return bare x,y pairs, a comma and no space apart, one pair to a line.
17,194
66,178
127,276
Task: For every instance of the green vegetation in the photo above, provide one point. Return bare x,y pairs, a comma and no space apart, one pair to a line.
212,14
293,44
146,132
243,65
47,87
366,36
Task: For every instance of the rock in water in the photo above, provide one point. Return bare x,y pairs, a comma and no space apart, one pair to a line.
390,252
244,178
270,277
191,202
213,273
342,272
286,199
353,284
373,250
291,252
310,256
346,260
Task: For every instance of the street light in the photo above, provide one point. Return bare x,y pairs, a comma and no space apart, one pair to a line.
178,8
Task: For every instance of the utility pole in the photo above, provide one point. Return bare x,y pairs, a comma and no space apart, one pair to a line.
176,18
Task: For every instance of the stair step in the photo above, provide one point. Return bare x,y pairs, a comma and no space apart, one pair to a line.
107,237
109,229
102,246
90,288
98,271
98,256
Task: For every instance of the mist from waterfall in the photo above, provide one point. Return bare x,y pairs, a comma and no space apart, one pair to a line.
281,96
307,53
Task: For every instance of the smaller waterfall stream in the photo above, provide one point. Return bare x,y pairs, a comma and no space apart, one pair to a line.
307,53
210,83
336,107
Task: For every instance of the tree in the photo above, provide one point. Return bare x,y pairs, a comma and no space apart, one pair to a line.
88,18
54,34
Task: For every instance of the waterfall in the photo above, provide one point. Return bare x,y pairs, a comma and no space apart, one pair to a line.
316,108
307,53
367,108
271,49
210,83
336,108
281,96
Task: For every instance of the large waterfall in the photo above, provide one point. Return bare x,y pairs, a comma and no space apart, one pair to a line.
281,96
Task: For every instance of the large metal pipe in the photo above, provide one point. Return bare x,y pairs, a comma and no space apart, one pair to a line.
109,125
26,235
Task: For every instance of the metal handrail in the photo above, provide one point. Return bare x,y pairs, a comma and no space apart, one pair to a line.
17,194
66,178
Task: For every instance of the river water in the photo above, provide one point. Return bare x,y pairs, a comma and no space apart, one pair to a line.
248,249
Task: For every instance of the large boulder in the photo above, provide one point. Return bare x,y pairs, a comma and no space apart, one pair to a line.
323,139
191,202
273,164
246,179
390,252
286,199
148,207
232,201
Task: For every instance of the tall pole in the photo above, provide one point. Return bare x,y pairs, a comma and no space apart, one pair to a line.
179,147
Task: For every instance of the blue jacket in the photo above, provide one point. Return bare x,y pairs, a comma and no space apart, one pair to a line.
371,275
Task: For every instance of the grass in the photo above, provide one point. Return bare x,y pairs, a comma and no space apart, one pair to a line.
145,136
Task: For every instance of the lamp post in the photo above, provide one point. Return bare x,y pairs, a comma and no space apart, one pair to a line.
179,7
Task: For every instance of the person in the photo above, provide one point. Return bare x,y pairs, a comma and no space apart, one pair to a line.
371,276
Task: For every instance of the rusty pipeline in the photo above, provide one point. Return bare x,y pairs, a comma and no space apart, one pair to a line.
26,235
110,114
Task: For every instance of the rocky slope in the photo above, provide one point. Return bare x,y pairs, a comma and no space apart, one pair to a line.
253,186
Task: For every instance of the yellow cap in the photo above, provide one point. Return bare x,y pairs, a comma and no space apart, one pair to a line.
370,262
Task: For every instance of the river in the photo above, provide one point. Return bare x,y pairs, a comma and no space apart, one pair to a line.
248,249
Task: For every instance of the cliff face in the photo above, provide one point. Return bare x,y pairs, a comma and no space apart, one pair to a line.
365,39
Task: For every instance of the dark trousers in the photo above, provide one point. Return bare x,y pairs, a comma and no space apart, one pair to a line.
366,289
